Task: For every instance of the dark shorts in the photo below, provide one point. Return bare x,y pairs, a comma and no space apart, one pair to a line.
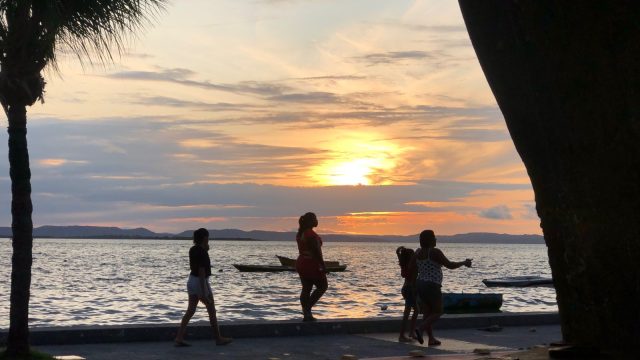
309,270
430,294
408,295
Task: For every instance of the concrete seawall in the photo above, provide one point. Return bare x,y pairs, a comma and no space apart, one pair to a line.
245,329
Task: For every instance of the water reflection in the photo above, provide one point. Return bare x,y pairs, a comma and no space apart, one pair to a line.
99,282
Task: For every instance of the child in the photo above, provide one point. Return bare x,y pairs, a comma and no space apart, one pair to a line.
199,289
408,291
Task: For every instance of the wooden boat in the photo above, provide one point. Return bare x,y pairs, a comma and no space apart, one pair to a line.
518,281
280,268
285,261
476,302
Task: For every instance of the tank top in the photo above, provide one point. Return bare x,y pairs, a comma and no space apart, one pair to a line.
429,270
302,245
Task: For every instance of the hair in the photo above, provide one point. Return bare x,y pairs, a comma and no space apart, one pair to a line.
305,222
200,235
404,255
427,239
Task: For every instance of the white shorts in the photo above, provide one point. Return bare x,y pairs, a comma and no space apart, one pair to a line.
194,288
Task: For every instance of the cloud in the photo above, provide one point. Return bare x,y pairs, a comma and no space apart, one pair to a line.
424,28
181,76
59,162
500,212
332,77
395,57
179,103
309,98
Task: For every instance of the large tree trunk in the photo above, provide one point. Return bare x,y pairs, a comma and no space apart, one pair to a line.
566,75
22,227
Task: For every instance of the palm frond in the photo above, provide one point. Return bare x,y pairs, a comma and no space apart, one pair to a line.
95,28
91,29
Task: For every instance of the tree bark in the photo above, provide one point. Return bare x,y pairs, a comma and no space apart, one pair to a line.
22,227
566,75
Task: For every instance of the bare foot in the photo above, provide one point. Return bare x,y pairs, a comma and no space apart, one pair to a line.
223,341
404,339
434,342
308,317
419,337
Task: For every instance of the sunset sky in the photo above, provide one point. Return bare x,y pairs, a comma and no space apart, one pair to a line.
245,114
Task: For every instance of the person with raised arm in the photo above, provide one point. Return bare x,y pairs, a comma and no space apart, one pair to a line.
428,262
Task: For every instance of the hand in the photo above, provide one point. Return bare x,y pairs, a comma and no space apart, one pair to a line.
467,262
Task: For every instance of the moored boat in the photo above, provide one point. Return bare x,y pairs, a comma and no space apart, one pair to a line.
280,268
518,281
474,302
285,261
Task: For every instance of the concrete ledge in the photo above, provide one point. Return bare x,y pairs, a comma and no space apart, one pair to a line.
244,329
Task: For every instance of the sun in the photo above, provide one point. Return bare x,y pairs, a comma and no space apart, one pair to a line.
357,159
352,172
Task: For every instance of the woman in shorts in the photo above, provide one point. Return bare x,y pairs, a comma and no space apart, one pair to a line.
310,264
199,288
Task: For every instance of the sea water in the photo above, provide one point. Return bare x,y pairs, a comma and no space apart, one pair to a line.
109,282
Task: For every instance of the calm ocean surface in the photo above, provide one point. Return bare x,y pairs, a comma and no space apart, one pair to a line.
100,282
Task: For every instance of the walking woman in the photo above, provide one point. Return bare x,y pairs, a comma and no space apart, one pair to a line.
428,261
310,264
199,288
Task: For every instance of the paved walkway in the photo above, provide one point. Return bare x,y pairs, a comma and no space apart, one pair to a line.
456,344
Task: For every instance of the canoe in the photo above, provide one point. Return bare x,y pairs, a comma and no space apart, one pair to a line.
280,268
518,281
285,261
476,302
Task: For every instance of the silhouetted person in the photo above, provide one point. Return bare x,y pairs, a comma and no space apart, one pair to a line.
408,292
310,264
199,288
428,261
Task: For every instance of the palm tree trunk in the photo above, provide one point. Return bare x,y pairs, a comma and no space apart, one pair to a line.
22,227
566,75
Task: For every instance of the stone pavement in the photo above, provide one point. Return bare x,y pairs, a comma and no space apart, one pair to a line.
456,344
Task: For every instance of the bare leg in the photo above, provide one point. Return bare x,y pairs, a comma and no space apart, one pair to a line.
414,319
191,309
305,296
403,326
213,320
420,328
434,314
321,288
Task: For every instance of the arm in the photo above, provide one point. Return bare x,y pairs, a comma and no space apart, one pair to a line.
437,256
413,268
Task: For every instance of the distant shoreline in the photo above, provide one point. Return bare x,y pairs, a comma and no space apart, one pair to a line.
107,232
113,237
355,240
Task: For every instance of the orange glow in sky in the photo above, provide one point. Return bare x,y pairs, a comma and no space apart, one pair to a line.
246,114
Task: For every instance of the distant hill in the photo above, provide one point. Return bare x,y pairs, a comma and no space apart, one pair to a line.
49,231
103,232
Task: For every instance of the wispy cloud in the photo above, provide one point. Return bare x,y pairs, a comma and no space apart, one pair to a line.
500,212
395,57
308,98
423,27
188,104
181,76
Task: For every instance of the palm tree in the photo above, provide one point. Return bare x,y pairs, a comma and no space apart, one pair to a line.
31,33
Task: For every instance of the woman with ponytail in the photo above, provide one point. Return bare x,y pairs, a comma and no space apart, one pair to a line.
310,264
